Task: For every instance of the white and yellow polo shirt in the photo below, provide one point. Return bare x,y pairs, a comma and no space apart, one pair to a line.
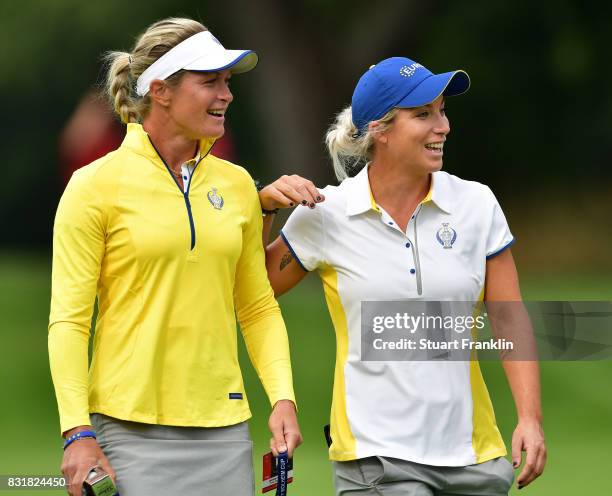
435,413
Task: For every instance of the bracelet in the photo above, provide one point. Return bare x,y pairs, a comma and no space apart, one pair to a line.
259,185
269,212
79,435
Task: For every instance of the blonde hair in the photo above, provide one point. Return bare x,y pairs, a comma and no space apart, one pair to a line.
349,152
125,68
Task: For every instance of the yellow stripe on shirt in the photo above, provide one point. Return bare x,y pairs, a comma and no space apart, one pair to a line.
487,441
343,442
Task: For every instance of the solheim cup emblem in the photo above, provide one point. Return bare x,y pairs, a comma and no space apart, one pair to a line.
446,236
215,200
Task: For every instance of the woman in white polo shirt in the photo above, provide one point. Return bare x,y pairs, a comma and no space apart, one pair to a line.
398,228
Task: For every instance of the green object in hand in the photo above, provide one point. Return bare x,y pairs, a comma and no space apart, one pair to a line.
99,483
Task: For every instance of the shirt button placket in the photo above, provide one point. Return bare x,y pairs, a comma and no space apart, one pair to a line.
409,246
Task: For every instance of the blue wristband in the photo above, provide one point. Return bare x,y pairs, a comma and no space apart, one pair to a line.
79,435
282,462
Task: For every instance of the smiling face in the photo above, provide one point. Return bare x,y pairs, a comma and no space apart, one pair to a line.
197,104
416,137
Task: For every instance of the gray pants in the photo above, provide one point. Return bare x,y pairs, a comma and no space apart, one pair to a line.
157,460
381,476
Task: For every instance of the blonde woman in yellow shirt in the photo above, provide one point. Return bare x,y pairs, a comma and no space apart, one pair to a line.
168,237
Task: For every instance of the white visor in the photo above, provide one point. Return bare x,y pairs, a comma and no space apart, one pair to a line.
200,52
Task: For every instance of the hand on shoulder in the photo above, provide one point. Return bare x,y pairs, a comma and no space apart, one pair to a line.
289,191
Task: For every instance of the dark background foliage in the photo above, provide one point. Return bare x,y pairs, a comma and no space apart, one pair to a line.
534,126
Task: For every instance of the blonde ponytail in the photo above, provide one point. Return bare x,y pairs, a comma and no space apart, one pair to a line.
119,84
348,151
124,68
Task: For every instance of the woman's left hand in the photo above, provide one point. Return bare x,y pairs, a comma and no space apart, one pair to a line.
288,191
529,437
286,435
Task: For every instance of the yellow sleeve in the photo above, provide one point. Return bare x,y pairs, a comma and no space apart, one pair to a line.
258,312
78,248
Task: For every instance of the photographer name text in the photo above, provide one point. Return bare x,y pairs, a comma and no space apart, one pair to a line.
453,344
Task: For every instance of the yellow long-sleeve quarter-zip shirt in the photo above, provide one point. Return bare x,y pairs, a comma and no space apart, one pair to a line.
171,269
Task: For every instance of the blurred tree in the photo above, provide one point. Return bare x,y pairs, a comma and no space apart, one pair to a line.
312,53
536,117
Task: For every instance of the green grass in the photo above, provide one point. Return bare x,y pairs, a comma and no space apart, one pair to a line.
576,399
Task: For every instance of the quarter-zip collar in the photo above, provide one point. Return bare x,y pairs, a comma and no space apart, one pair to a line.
360,198
137,140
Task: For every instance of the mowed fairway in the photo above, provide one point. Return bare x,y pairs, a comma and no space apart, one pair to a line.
577,399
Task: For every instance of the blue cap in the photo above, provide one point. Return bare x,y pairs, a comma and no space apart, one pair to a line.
399,82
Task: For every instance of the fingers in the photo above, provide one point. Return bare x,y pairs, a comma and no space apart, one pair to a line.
293,440
517,447
529,470
105,465
316,194
273,447
541,463
534,467
310,191
288,191
74,477
277,446
310,194
75,481
277,443
275,198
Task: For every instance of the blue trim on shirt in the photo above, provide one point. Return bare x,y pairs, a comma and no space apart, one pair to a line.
495,253
297,259
184,193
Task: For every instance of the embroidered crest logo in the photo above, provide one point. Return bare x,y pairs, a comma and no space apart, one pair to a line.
446,236
215,200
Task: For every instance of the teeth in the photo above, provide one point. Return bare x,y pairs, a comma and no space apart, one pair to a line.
435,146
218,113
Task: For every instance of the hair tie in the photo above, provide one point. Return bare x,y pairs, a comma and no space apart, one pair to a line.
129,59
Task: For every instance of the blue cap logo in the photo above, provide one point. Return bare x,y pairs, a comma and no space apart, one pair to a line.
408,70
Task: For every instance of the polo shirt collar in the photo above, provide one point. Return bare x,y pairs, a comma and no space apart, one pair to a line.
440,191
137,140
360,198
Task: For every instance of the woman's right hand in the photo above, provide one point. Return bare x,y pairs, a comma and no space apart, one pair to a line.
79,458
